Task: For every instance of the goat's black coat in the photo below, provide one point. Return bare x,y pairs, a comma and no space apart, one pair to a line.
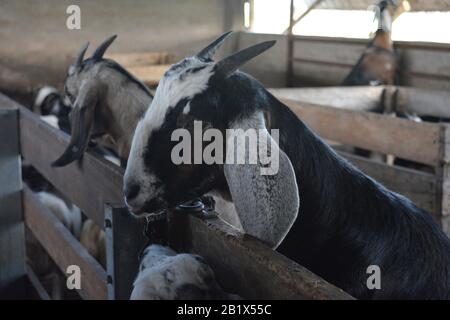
347,221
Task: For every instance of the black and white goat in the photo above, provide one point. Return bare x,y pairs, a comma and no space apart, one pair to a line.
346,221
166,275
51,106
107,101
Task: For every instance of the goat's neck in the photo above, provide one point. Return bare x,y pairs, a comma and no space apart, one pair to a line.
385,21
383,40
124,112
320,172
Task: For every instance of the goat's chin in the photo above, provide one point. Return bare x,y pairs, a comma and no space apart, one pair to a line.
152,207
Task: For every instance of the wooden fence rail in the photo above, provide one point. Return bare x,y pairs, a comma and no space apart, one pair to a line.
416,141
62,247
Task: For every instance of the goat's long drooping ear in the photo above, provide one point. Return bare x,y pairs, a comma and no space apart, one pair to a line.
208,52
78,59
82,118
231,63
267,205
100,51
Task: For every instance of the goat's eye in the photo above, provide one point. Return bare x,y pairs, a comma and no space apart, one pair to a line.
71,97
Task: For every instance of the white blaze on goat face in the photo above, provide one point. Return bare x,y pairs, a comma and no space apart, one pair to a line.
177,84
182,81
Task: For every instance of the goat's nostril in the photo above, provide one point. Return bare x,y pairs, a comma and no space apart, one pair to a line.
132,191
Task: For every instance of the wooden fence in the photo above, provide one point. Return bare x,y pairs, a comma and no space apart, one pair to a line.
326,61
242,264
146,66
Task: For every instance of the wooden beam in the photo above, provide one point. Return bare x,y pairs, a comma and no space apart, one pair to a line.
444,179
304,14
290,47
150,75
63,248
423,102
403,138
364,98
244,265
138,59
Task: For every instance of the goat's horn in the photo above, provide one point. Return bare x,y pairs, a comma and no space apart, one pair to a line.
231,63
210,49
100,51
81,126
80,55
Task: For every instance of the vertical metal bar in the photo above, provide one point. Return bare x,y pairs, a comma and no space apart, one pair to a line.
124,241
12,230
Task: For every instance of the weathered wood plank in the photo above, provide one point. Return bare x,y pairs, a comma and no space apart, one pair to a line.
331,52
244,265
426,61
136,59
12,232
423,102
445,172
89,186
64,249
403,138
326,61
419,187
364,98
150,75
426,58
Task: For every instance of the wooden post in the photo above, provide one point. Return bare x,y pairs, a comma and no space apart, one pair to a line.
12,233
290,48
444,178
124,241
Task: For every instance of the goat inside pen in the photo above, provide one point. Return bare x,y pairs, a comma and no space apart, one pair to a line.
255,271
105,185
100,182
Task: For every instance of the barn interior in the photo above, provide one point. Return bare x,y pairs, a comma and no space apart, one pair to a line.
371,78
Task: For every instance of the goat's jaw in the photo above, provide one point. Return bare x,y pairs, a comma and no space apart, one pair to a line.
152,207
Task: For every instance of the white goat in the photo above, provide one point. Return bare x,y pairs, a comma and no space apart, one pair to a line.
69,215
166,275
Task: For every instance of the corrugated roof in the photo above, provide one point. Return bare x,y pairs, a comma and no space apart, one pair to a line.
416,5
